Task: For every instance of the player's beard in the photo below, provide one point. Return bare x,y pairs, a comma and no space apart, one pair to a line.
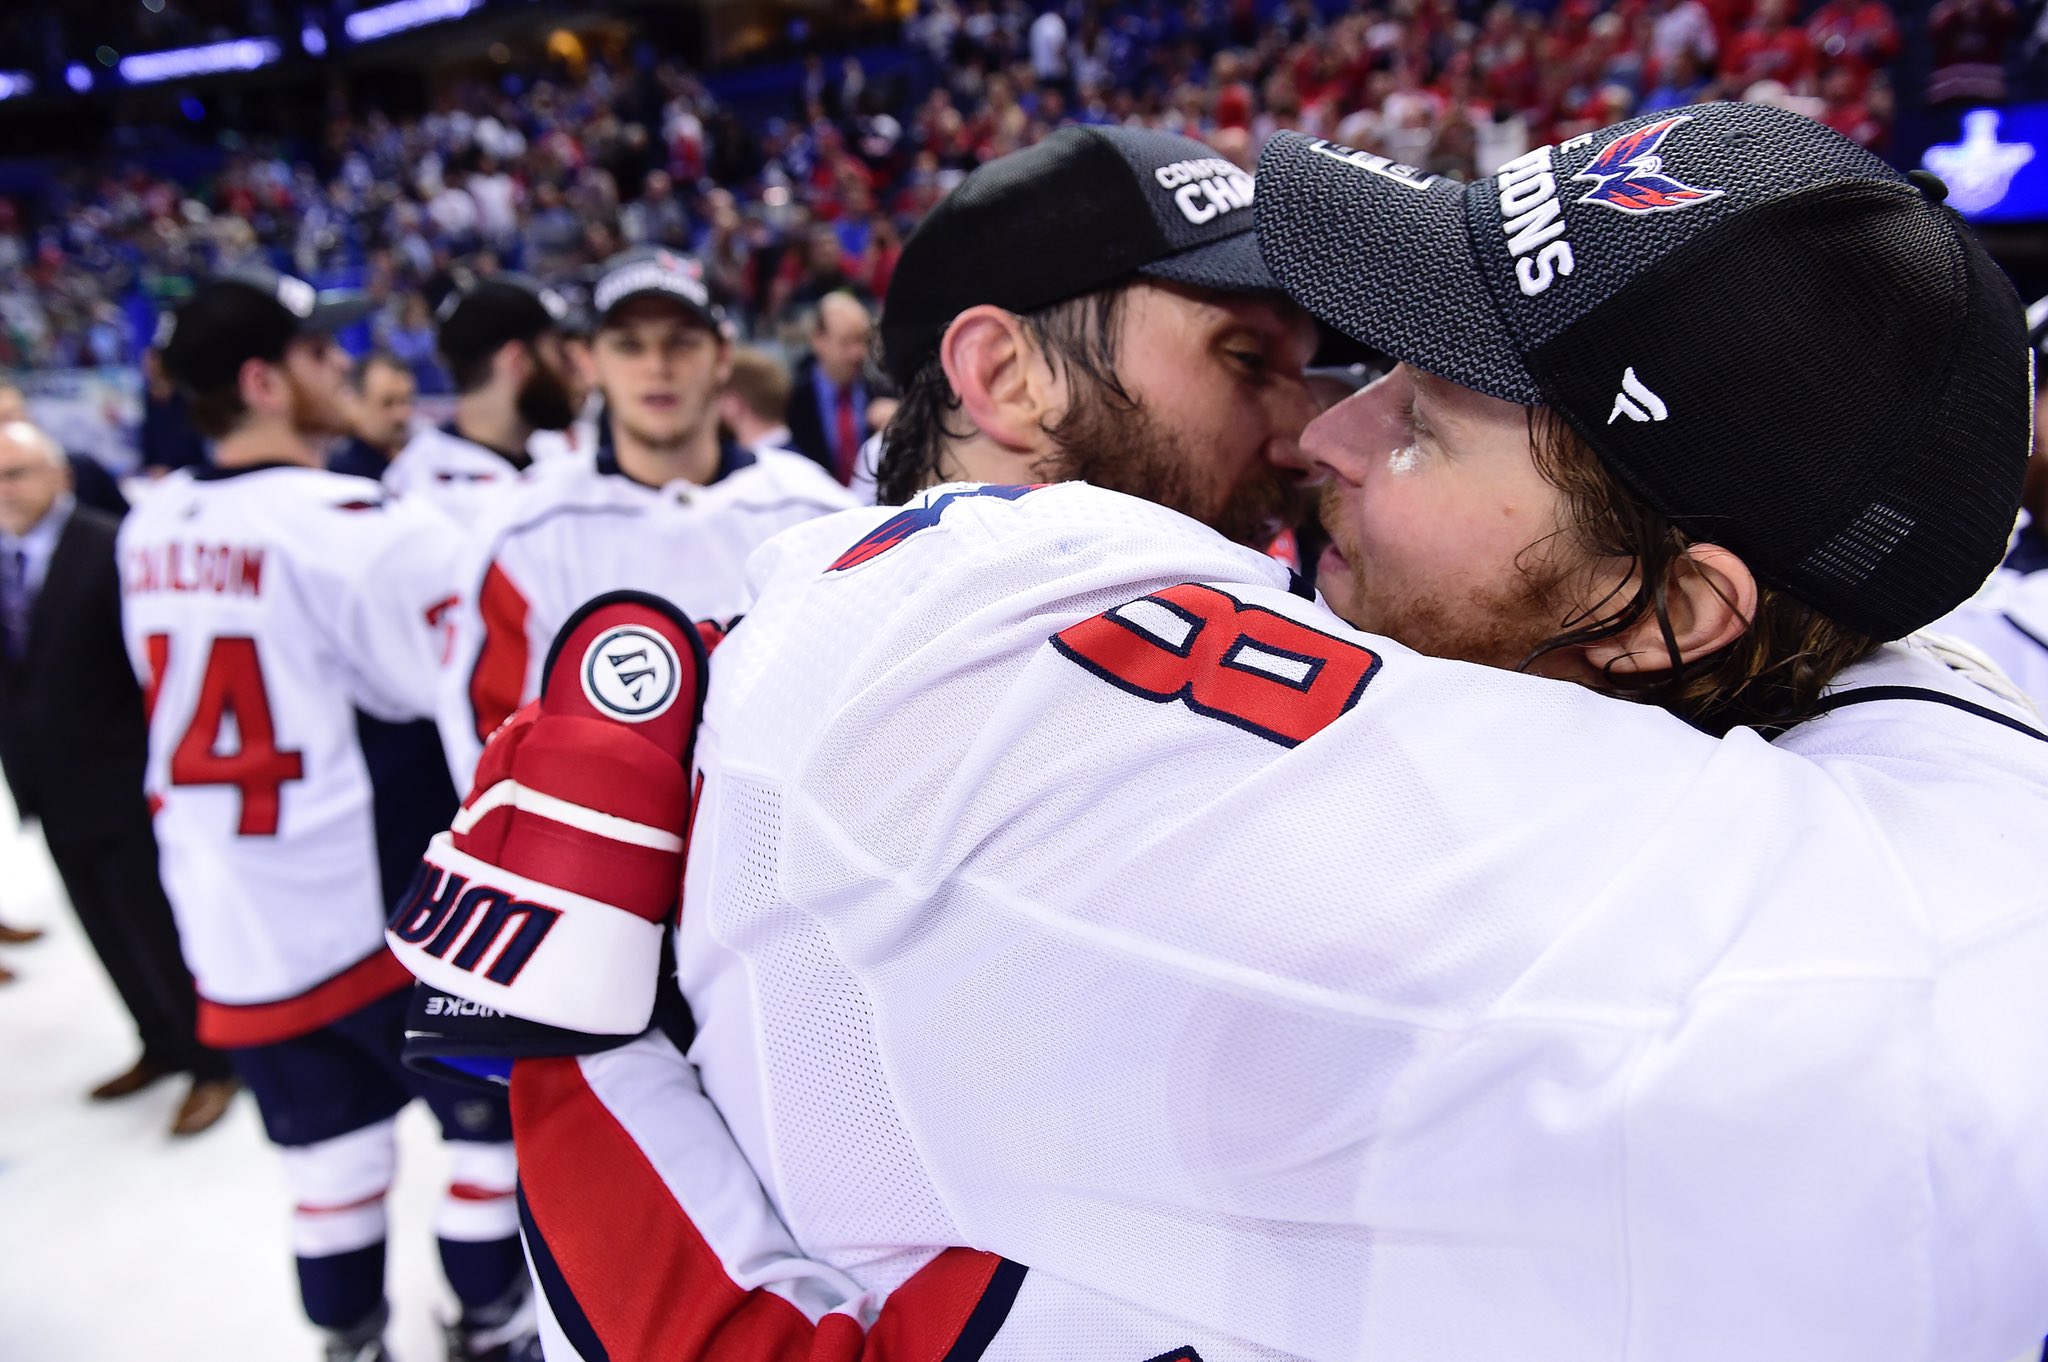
544,401
315,413
1122,447
1500,625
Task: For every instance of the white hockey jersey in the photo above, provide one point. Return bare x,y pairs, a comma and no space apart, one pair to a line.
2008,621
459,477
263,608
576,528
1269,990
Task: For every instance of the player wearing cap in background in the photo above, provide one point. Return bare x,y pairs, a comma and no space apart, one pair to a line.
1256,987
502,341
665,505
2008,619
579,437
270,605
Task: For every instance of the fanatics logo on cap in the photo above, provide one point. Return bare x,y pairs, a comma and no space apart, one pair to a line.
1628,173
630,673
1636,401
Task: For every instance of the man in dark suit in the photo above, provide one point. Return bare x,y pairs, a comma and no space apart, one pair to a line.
828,399
72,743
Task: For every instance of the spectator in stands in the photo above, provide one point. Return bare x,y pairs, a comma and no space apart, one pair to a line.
1969,38
73,744
383,393
411,340
828,400
754,405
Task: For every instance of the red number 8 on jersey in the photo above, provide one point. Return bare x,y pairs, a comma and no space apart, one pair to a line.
1246,665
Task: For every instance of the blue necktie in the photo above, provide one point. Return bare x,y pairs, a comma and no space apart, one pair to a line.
14,602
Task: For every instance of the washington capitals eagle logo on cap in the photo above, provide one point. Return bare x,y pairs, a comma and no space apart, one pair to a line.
1628,173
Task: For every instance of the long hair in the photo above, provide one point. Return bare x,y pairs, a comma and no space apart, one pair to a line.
1770,677
1078,338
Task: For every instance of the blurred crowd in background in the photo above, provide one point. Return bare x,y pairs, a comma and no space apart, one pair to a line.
555,165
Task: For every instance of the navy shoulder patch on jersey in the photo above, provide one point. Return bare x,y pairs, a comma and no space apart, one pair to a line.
904,524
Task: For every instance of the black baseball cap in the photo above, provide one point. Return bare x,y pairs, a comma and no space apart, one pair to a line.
653,271
1081,210
1771,336
480,320
245,314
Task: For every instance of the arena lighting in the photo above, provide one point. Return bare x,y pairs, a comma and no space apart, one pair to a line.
78,77
13,83
382,21
313,40
242,54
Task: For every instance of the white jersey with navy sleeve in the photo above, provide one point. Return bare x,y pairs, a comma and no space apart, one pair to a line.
459,477
263,609
577,528
1065,888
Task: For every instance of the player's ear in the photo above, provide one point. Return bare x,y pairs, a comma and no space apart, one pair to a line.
260,384
723,372
1003,382
1710,598
514,362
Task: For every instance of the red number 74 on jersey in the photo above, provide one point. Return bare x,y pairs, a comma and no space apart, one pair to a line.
1262,671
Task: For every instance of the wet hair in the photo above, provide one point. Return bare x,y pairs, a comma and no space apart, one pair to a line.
1077,336
1771,677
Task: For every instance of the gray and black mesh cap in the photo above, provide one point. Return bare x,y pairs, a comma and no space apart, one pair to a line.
1767,333
1081,210
245,314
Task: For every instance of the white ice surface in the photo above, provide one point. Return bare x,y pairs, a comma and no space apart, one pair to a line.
119,1243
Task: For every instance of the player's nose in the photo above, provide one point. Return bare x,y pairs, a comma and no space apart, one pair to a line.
1339,444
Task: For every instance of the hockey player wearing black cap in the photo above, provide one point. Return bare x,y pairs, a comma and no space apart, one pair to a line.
502,340
271,606
1095,308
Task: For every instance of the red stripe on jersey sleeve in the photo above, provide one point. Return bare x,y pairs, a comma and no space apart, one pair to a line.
227,1026
652,1287
644,1277
499,677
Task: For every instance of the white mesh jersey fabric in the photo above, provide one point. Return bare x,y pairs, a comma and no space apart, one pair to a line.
308,595
1495,1017
566,533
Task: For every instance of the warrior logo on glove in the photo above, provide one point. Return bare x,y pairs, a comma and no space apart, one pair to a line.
630,673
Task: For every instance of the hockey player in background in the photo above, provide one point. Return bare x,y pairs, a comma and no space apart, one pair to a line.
502,340
269,606
666,505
